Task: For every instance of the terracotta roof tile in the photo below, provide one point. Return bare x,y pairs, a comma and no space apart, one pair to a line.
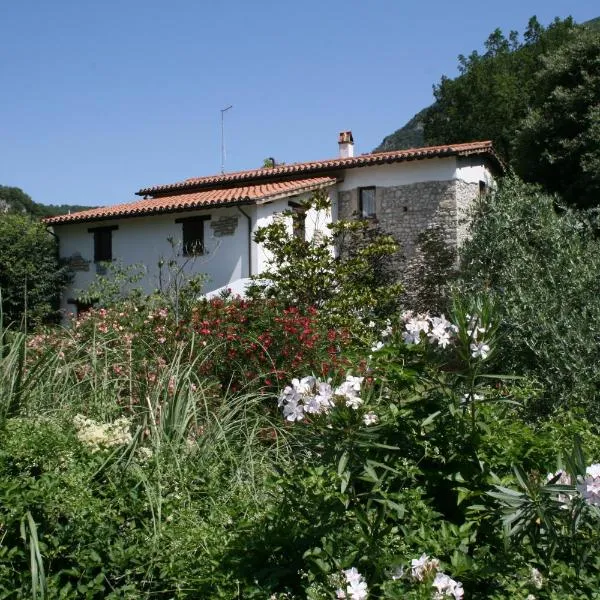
378,158
248,194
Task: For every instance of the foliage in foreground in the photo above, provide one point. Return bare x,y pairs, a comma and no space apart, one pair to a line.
259,449
419,476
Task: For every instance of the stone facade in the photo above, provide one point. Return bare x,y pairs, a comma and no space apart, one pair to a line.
224,226
406,211
430,221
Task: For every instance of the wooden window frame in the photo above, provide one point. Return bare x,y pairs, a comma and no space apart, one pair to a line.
103,242
298,220
192,235
361,209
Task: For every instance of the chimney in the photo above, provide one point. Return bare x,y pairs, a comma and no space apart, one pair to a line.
346,144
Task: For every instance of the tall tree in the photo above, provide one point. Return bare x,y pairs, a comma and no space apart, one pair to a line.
492,94
558,144
30,274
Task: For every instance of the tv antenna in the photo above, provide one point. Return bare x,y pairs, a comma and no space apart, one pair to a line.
223,111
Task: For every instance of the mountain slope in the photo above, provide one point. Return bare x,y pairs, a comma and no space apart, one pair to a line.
14,199
411,135
408,136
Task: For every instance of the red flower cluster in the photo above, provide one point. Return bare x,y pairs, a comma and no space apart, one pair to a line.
264,341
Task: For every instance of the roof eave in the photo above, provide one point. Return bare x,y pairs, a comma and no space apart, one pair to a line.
51,221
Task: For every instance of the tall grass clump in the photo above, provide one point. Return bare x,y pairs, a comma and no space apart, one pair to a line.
124,454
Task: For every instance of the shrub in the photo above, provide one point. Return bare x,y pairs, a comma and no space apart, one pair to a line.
541,264
30,275
345,273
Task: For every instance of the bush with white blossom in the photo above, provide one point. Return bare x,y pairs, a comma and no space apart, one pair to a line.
355,588
311,396
102,435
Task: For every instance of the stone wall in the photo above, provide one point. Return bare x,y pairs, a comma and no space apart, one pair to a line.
466,194
224,226
429,220
408,210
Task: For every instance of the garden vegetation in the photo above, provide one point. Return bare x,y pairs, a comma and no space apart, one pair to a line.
317,440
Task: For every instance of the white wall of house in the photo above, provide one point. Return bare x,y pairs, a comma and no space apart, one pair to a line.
474,173
316,220
395,174
406,173
144,241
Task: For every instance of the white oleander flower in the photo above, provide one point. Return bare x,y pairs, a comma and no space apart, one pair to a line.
593,471
589,488
304,386
356,588
350,390
370,418
441,336
354,402
293,411
422,566
377,346
446,587
289,394
479,350
414,326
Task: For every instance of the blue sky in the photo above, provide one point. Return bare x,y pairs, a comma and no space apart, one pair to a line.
102,98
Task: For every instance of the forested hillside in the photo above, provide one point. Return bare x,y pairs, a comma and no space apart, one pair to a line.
534,95
15,200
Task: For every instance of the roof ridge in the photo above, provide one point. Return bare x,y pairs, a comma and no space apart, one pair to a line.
463,148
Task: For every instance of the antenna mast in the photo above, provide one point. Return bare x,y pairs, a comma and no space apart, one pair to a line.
223,111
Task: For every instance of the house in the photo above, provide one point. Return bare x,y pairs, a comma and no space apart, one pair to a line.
212,220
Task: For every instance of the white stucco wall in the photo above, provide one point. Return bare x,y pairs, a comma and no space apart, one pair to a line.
316,220
470,170
144,241
474,173
395,174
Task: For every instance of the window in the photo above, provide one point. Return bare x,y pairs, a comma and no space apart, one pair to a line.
298,220
482,188
366,203
80,306
103,243
193,235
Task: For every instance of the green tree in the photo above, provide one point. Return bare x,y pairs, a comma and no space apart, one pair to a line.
542,267
559,141
349,284
493,91
30,274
